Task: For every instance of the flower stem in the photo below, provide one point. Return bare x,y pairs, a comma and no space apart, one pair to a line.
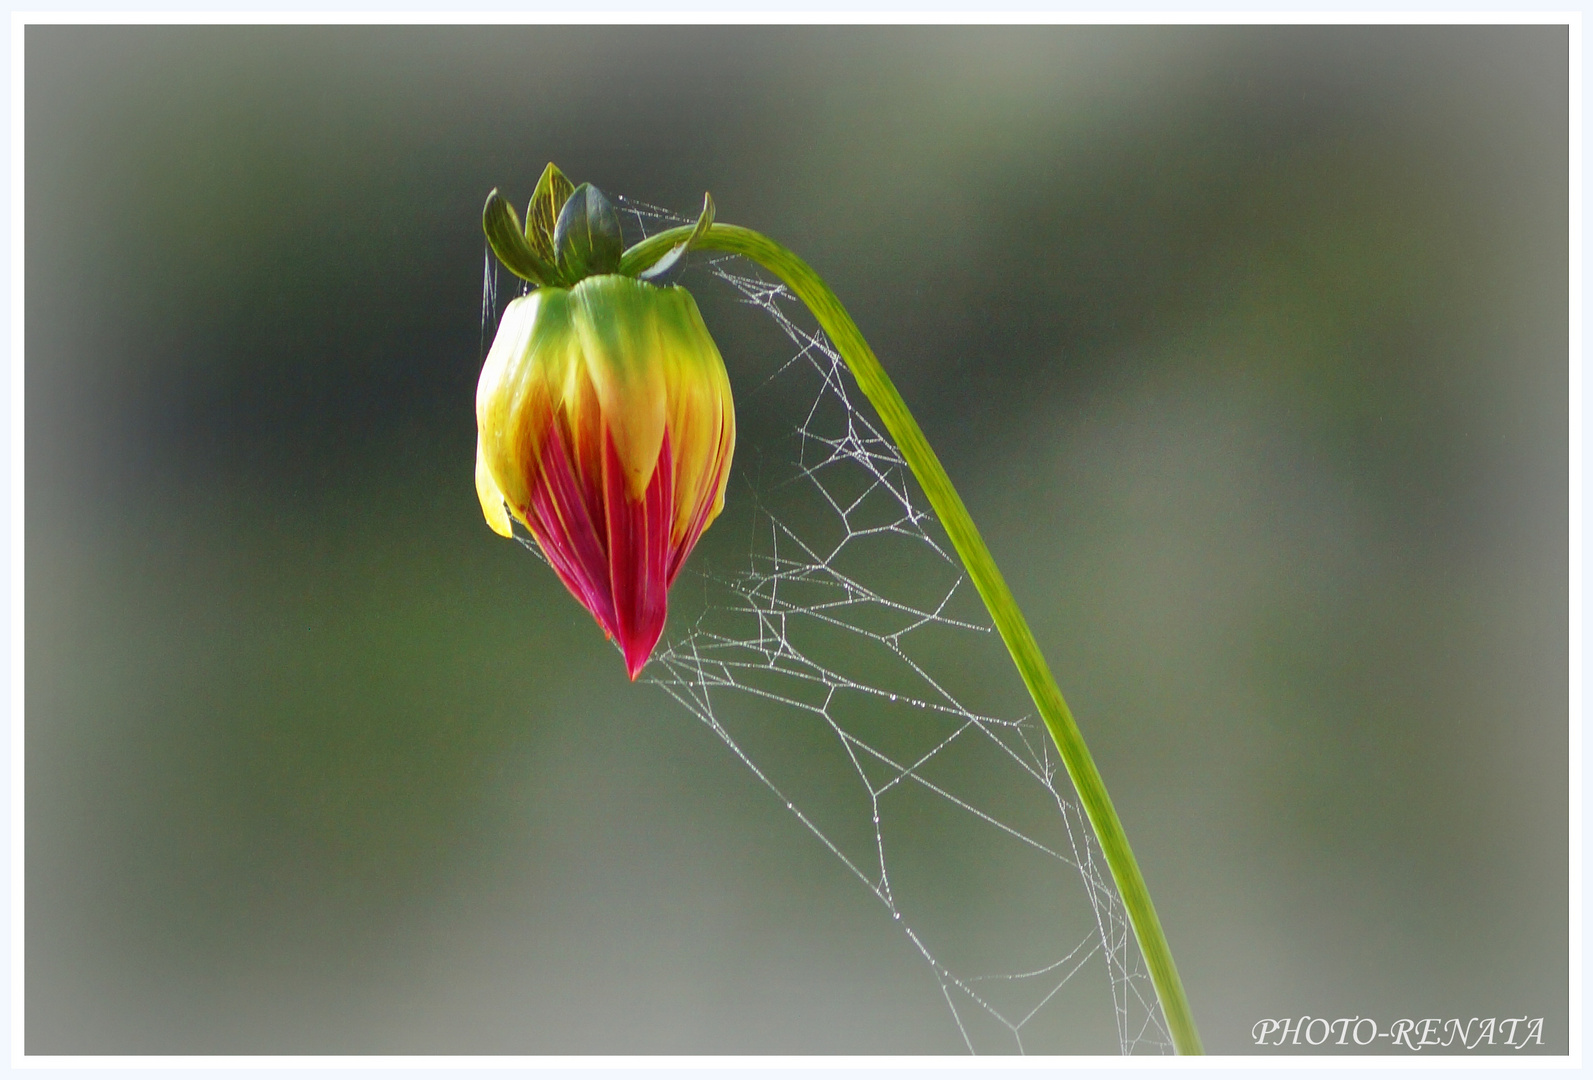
1009,620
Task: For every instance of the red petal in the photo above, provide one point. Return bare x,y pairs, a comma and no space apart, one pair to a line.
611,551
638,554
564,528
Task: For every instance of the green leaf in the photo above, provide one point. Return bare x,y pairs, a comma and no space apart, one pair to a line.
502,226
587,236
673,256
542,214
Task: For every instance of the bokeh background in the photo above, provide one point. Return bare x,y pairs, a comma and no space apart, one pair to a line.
1246,346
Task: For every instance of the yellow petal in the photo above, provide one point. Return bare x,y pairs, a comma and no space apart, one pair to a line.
509,352
702,422
615,321
509,378
491,498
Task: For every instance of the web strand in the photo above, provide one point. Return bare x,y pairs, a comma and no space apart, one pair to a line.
842,657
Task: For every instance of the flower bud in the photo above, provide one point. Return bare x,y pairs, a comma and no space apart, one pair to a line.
605,426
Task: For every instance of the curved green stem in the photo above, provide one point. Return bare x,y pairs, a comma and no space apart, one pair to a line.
1014,629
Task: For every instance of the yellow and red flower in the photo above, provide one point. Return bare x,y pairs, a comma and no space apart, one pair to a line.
605,426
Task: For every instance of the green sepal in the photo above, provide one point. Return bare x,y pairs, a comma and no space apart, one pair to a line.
587,236
542,213
507,238
672,257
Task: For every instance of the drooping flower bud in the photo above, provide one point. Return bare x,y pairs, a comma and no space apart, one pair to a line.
604,422
605,426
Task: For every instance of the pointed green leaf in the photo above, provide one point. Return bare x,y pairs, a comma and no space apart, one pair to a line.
542,214
674,255
587,237
502,226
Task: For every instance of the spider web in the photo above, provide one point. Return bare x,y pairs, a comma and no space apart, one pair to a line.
826,632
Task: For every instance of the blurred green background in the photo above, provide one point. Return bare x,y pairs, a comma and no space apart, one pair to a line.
1246,346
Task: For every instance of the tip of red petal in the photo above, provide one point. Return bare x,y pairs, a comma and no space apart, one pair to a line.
636,656
638,645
